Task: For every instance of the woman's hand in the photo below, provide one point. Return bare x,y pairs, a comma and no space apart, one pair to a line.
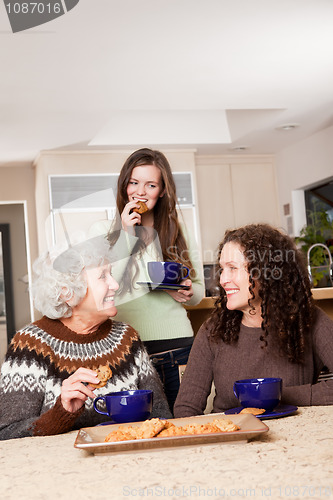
128,218
73,391
182,295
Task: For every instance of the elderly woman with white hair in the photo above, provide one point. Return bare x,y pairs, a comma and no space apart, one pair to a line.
48,378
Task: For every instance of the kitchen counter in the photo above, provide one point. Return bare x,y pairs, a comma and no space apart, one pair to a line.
292,460
199,313
322,293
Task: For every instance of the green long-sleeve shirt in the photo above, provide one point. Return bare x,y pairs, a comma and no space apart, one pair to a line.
155,314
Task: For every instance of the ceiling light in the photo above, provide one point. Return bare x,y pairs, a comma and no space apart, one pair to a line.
288,126
239,148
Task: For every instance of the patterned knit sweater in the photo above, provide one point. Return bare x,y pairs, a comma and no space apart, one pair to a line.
45,353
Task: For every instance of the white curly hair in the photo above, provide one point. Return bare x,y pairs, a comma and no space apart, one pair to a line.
59,276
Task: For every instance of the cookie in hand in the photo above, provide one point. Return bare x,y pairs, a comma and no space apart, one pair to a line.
142,209
104,373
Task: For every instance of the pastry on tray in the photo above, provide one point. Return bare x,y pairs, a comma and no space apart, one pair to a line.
253,411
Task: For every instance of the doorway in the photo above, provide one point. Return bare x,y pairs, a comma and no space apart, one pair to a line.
15,301
7,322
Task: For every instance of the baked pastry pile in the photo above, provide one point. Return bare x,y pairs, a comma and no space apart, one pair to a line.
156,427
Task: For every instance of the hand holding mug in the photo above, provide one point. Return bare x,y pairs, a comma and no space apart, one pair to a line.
182,295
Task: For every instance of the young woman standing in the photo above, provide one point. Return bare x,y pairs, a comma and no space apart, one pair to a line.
157,235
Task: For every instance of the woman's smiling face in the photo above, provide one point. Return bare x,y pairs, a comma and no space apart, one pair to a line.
234,277
146,185
99,299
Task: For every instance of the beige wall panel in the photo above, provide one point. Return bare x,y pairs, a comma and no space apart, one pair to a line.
254,194
215,204
17,183
17,207
304,164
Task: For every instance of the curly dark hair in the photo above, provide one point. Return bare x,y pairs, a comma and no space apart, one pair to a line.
283,284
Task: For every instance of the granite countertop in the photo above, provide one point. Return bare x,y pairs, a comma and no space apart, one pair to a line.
293,460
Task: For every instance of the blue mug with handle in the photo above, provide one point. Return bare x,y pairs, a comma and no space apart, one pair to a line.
127,406
259,392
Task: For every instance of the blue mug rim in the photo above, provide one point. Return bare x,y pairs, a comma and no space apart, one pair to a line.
133,392
262,380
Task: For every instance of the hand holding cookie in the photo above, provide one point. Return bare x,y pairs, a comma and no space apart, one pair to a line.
76,389
131,216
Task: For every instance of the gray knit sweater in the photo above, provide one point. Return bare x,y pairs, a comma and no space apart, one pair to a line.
226,363
45,353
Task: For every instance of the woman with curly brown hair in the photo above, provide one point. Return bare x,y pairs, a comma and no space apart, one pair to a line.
264,324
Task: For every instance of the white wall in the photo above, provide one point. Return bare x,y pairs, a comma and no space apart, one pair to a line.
304,164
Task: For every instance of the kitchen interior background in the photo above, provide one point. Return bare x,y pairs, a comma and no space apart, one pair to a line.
63,81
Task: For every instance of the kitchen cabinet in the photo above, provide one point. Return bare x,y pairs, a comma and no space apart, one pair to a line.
234,191
215,203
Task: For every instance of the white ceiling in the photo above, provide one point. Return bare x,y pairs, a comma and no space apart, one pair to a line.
265,62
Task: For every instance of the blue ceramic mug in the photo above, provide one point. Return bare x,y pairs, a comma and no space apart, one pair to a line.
167,272
259,392
127,406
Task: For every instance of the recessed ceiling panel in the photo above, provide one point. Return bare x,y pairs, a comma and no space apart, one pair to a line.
164,127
